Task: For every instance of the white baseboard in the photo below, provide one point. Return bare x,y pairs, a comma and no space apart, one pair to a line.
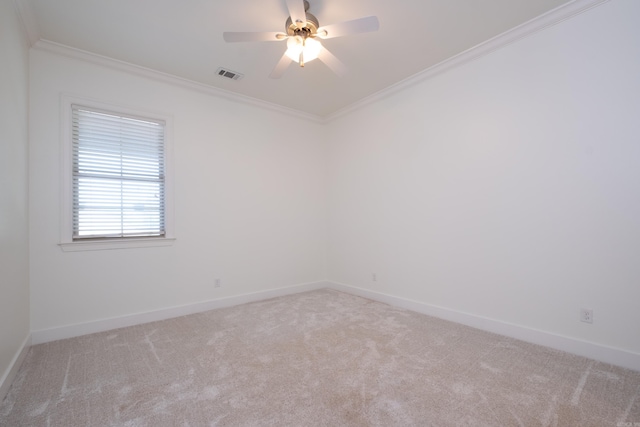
591,350
587,349
10,374
70,331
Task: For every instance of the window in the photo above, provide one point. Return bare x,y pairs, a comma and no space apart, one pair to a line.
118,178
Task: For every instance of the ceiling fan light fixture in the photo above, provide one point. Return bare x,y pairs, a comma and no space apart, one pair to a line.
302,49
303,34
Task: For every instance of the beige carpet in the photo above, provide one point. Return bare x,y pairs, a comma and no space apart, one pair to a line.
321,358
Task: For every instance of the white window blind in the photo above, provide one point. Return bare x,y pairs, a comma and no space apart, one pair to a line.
118,175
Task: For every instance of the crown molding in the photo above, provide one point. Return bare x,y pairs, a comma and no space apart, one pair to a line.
546,20
27,17
82,55
551,18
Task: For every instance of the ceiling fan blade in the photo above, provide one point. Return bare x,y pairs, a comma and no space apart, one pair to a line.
332,62
281,67
233,37
297,12
361,25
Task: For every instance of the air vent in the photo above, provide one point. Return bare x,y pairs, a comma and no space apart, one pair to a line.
223,72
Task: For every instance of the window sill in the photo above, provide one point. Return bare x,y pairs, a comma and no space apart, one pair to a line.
115,244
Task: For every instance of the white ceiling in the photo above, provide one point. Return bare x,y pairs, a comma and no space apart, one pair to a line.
184,38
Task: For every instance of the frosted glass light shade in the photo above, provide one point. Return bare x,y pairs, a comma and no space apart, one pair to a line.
310,49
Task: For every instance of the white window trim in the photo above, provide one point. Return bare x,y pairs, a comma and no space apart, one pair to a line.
67,243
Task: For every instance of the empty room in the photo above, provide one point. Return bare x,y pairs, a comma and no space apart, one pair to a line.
322,213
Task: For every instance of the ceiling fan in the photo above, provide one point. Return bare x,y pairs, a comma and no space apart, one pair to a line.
302,31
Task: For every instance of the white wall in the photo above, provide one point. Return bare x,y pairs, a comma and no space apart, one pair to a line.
249,205
506,188
14,262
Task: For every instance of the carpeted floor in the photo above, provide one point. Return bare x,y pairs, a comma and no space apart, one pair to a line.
320,358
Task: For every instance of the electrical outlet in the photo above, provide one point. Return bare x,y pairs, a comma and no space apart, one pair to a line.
374,277
586,315
217,283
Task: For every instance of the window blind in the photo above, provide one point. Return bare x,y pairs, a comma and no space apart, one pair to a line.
118,175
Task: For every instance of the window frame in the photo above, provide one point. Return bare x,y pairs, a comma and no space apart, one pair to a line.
67,243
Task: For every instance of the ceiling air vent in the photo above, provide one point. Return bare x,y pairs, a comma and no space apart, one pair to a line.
229,74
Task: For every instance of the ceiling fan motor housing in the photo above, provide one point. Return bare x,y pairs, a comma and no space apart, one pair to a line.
310,28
